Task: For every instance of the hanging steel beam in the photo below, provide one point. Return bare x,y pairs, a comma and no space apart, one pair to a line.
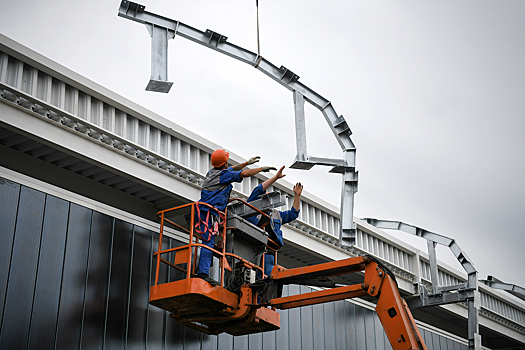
161,29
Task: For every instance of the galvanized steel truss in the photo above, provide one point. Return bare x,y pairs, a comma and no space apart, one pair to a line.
493,282
464,292
161,29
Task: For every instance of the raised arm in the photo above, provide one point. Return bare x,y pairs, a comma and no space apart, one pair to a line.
274,178
251,172
248,162
297,190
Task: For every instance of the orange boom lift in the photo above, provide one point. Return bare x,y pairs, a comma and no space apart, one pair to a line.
239,304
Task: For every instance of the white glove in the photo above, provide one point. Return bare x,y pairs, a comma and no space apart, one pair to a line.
252,160
268,168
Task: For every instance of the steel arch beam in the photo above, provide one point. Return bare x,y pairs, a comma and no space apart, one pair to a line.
444,295
161,29
513,289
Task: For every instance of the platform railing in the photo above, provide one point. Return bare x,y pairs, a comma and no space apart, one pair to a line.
187,254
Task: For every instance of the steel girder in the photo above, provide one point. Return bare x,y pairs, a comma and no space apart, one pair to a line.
513,289
161,29
467,292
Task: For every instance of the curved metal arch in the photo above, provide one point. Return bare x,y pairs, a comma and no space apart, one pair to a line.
444,295
493,282
162,29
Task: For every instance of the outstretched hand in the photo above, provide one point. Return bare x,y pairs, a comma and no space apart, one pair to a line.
253,160
298,189
280,174
267,168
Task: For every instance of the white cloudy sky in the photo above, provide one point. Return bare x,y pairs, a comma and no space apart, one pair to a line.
432,90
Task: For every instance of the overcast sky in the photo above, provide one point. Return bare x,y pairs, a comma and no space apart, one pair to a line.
434,92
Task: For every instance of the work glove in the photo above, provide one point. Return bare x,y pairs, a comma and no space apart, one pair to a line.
252,160
268,168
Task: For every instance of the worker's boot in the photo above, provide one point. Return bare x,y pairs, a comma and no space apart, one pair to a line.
208,279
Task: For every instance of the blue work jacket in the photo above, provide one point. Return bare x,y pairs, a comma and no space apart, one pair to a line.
217,187
278,218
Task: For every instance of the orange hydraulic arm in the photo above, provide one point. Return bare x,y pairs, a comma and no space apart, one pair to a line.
391,309
246,307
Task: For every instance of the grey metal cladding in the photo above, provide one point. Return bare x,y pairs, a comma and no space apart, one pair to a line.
49,276
70,312
139,288
78,278
118,296
318,333
9,192
294,322
307,323
95,305
16,318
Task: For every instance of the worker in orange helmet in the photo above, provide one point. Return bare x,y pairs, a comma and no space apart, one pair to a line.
277,217
216,192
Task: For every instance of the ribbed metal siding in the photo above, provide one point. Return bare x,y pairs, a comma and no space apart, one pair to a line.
49,89
74,278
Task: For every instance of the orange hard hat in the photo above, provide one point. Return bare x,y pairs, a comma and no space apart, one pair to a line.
219,157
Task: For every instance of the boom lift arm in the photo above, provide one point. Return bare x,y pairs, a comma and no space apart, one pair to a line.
244,308
249,306
392,310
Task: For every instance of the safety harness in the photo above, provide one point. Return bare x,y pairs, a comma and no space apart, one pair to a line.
210,228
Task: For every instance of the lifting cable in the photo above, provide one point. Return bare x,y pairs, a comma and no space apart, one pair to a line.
259,58
258,42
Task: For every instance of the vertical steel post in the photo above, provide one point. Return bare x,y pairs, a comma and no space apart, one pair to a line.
474,338
192,221
433,265
159,58
300,125
348,189
161,232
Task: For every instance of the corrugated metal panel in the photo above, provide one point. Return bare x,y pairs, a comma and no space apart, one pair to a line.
71,308
379,334
156,317
351,338
79,279
50,265
329,325
282,337
340,325
307,324
255,341
118,296
294,322
369,330
95,300
269,341
318,333
139,289
9,192
360,328
240,343
16,320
